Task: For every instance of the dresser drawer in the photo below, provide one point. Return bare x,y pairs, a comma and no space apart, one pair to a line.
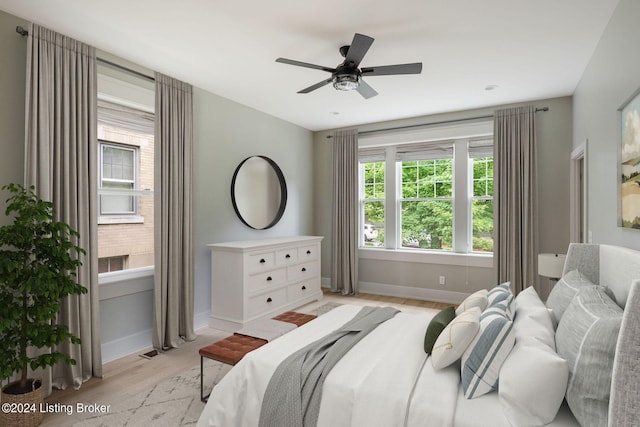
269,278
302,271
301,290
286,256
267,301
309,252
261,262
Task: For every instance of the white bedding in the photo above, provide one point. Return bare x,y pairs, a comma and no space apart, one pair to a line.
385,380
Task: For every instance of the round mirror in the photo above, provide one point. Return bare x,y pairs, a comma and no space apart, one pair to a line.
259,192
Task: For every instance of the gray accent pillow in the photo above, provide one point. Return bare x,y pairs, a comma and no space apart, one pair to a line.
586,338
624,406
563,292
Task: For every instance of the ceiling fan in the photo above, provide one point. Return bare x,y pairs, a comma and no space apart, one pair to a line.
347,76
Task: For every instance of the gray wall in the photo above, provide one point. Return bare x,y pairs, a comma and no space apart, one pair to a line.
554,136
226,133
13,51
612,76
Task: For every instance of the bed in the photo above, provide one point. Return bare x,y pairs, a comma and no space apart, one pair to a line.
387,379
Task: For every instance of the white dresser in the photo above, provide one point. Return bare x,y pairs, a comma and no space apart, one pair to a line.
262,278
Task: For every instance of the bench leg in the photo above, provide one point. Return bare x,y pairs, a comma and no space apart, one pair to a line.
203,398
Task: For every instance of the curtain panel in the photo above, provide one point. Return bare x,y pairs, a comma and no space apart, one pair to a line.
515,197
173,200
61,162
344,221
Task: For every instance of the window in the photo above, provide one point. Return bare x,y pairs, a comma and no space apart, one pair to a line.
117,172
442,193
426,198
372,203
482,204
115,263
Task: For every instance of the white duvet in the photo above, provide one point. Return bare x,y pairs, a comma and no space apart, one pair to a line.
370,386
386,380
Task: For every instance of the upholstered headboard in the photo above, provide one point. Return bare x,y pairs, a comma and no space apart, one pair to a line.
612,266
617,268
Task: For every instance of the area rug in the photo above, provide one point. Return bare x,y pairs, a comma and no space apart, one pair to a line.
173,402
325,308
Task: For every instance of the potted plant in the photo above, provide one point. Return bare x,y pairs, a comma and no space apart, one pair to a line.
38,264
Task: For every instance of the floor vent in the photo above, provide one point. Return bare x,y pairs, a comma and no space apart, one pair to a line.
149,354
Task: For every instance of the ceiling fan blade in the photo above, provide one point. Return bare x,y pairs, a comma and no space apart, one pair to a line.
305,64
358,49
316,86
365,90
389,70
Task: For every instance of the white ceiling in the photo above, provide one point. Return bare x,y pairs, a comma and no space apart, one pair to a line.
530,49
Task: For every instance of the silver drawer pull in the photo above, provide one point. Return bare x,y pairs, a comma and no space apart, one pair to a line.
269,299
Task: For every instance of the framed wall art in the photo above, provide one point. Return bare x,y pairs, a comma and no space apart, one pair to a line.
629,167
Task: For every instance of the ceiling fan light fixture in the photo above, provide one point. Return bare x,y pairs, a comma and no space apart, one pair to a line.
346,81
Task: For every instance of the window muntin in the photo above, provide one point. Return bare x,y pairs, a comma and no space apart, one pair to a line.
117,172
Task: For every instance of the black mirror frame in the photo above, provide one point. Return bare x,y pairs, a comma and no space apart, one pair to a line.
283,192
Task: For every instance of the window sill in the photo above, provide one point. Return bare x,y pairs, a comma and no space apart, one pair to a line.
427,257
126,282
120,219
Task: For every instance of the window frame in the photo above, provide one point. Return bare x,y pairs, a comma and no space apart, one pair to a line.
104,216
462,252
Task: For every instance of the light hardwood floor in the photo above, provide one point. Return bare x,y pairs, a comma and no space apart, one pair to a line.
133,373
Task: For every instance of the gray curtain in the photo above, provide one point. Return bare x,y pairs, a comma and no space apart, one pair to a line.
60,161
515,197
173,294
344,221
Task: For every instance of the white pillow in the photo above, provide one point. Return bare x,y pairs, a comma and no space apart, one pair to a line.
532,319
476,299
532,384
455,338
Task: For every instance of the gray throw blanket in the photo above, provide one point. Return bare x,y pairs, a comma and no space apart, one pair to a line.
292,398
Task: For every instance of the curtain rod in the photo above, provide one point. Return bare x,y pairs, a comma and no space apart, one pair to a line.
25,33
443,122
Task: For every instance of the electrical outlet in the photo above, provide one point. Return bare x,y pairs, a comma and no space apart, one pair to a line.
442,281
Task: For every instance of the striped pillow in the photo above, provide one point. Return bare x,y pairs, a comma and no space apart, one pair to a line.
499,293
481,362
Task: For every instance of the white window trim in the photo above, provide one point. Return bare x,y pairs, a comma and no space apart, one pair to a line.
120,219
460,134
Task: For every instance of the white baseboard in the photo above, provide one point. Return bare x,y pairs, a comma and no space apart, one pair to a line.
201,320
125,346
436,295
140,341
